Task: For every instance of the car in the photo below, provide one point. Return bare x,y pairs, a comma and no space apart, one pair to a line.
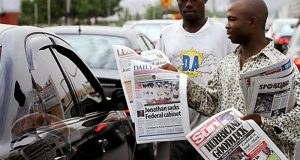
94,46
294,47
281,31
151,28
52,106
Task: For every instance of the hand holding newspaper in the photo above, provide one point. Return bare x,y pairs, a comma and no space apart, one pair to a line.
269,90
123,56
156,98
225,137
160,102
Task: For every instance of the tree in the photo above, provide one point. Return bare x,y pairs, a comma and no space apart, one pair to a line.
83,9
154,12
27,15
80,9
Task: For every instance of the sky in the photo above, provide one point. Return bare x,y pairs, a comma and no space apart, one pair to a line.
140,5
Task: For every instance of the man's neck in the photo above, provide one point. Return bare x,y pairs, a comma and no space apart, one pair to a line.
194,26
252,48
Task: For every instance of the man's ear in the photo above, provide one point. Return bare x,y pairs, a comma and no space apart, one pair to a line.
253,20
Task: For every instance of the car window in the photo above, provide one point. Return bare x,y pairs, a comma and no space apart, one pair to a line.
51,96
278,25
96,50
287,29
83,89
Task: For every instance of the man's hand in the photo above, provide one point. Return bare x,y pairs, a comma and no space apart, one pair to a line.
256,117
169,67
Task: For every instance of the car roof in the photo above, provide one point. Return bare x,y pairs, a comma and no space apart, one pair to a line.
103,30
127,33
153,21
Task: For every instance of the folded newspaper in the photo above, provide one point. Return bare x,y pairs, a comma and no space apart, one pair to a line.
226,137
159,98
298,151
269,90
123,56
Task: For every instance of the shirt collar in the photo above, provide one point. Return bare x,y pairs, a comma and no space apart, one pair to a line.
264,52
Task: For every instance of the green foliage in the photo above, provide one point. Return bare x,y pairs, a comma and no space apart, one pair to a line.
219,14
154,12
80,9
27,15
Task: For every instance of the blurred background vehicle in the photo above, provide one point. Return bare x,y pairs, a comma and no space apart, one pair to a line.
281,31
94,45
294,47
53,107
151,28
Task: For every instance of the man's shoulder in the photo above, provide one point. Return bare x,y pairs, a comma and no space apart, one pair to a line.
228,59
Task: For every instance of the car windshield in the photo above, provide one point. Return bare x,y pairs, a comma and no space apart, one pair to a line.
96,50
284,25
151,30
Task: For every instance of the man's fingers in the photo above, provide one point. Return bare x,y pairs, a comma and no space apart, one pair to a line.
168,67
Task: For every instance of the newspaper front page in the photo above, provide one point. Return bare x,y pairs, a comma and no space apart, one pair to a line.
123,56
160,102
298,151
269,90
272,97
225,137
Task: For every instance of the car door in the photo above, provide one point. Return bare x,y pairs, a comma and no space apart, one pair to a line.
68,116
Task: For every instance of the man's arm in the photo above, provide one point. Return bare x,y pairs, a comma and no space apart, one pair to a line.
287,126
204,99
284,130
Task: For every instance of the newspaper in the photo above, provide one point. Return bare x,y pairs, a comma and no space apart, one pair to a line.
271,97
160,102
269,90
123,56
298,151
225,137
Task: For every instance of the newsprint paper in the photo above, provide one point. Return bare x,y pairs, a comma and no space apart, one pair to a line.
298,151
160,102
225,137
268,91
123,56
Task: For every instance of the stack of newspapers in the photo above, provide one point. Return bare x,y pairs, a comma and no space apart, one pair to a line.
225,136
268,91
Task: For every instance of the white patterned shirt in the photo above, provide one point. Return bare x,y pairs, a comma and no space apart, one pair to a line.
224,91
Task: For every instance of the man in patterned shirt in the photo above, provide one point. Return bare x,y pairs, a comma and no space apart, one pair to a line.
246,24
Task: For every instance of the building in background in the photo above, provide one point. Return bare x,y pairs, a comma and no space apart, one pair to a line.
294,9
9,11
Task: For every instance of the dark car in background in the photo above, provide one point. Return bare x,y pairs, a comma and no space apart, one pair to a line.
94,45
281,31
53,107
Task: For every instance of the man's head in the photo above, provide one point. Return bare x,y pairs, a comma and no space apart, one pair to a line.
246,20
192,10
